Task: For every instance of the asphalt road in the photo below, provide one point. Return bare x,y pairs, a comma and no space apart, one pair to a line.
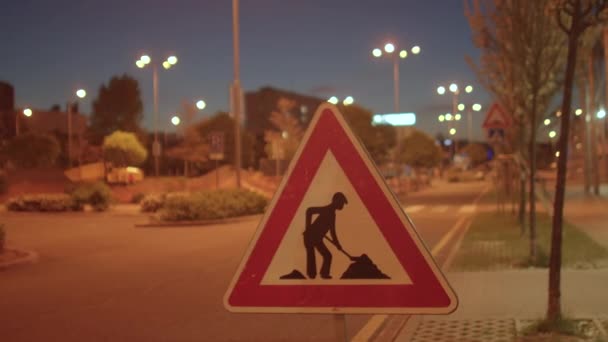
101,279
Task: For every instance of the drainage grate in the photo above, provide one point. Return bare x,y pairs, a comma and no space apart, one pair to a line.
488,330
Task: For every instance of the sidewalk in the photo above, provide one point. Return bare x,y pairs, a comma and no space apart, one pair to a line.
492,305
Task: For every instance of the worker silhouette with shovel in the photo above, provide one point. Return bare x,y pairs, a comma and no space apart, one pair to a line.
316,230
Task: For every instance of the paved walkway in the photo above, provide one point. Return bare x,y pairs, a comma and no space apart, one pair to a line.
494,300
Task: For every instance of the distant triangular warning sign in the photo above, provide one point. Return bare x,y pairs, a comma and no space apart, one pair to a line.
497,118
335,240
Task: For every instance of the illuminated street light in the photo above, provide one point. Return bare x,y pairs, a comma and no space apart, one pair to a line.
416,50
27,112
389,48
453,87
547,122
403,54
461,106
441,90
552,134
145,59
166,65
601,114
476,107
452,131
441,118
558,114
377,52
172,60
557,154
175,120
200,104
468,89
457,117
81,93
448,117
140,64
578,112
348,101
333,100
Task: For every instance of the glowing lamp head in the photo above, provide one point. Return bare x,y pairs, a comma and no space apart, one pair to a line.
403,54
377,52
416,50
27,112
175,120
200,104
453,87
333,100
441,90
172,60
389,48
81,93
145,59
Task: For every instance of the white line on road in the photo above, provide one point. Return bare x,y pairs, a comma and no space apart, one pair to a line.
470,208
413,209
440,209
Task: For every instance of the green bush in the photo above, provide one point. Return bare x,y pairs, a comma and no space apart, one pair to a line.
98,195
151,203
208,205
43,202
3,183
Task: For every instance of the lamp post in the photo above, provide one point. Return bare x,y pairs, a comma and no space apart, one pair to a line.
236,92
27,112
390,50
80,93
455,90
141,63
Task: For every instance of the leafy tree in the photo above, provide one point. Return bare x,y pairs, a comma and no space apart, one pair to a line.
378,140
288,133
222,122
419,150
32,150
574,18
522,54
192,149
123,149
118,106
476,152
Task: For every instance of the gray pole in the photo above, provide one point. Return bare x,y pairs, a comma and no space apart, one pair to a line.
69,113
155,147
236,92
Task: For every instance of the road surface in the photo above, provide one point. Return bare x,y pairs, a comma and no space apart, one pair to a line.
101,279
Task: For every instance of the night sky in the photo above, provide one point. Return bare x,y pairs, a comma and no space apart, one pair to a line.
48,49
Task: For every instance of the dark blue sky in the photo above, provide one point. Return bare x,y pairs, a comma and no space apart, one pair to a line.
50,48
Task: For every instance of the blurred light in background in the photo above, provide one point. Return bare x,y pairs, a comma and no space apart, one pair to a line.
395,119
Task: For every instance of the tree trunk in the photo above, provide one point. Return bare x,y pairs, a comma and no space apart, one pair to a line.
586,139
532,199
522,189
554,306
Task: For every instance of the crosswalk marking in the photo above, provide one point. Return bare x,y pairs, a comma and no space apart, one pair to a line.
440,209
414,208
467,208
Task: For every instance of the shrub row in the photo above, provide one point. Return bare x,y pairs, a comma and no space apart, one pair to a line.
98,195
205,205
43,202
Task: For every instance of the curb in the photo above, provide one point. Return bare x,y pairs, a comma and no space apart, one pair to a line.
27,258
163,224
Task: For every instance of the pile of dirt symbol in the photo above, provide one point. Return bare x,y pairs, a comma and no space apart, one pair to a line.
363,267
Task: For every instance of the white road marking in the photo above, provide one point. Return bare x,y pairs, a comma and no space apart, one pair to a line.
413,208
440,209
470,208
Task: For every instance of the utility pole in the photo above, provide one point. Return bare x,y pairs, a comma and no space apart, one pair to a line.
591,118
236,92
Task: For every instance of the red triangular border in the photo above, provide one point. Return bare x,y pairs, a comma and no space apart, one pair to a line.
429,291
499,109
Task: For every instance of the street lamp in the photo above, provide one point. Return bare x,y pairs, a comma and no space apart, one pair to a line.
349,100
547,122
455,90
200,104
27,112
141,63
175,120
81,94
389,48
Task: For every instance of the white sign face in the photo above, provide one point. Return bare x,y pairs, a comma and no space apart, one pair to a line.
355,228
335,240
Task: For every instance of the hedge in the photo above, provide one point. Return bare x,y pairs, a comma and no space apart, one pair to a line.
43,202
205,205
98,195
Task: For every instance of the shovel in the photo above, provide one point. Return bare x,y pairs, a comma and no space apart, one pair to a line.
352,258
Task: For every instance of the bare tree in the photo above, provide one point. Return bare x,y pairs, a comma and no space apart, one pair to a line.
574,17
522,56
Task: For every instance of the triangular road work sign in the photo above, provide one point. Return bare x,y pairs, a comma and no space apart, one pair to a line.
497,118
335,240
